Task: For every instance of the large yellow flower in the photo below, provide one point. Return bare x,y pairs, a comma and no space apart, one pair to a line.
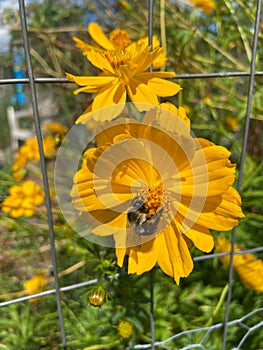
157,190
124,75
119,40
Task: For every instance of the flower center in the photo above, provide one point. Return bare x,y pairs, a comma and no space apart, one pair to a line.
117,58
154,200
120,38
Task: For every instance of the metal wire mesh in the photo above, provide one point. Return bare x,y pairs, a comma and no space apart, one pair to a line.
205,331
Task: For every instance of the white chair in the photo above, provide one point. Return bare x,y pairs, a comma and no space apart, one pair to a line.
16,132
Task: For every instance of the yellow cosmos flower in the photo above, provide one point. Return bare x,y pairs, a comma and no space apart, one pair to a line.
49,146
36,284
124,74
18,171
57,130
231,123
29,150
119,40
157,190
125,329
23,199
249,269
205,5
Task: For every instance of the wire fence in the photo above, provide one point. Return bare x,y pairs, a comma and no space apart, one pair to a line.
204,332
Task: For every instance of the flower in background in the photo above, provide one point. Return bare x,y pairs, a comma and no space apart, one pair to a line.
49,146
178,188
18,171
29,150
57,131
231,123
119,40
249,268
205,5
36,284
125,329
23,199
124,75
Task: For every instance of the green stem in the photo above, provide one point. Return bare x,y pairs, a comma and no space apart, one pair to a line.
215,312
240,29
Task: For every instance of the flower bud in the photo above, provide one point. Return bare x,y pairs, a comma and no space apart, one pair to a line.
97,297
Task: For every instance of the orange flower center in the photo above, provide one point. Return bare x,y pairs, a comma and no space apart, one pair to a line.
117,58
120,38
154,200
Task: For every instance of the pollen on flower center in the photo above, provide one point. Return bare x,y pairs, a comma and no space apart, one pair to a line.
117,58
120,38
154,200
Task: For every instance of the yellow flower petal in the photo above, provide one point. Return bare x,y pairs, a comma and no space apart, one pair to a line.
99,60
174,257
91,84
111,94
224,217
99,37
201,237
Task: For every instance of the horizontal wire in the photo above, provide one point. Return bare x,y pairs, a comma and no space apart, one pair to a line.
53,291
208,329
178,76
94,281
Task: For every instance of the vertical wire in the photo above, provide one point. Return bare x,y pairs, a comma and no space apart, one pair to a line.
22,14
163,27
242,161
150,23
150,40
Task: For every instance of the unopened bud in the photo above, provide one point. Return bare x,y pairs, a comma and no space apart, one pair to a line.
97,297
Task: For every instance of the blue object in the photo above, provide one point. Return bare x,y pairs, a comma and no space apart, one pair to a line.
18,59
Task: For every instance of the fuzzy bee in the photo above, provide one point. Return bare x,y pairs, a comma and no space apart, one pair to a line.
137,218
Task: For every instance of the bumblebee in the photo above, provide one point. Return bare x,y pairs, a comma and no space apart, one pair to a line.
137,218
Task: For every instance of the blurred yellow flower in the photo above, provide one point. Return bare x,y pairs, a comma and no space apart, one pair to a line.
57,130
231,123
125,329
29,150
23,199
207,100
18,171
36,284
119,40
249,268
157,190
205,5
49,146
